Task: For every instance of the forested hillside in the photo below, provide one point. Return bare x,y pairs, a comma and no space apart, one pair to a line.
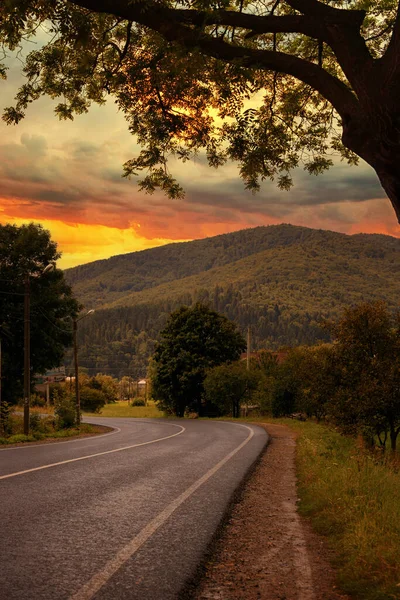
282,281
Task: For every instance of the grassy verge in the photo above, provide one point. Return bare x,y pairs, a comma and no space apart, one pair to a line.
353,500
123,409
38,436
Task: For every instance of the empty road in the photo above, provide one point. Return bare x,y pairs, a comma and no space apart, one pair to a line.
122,515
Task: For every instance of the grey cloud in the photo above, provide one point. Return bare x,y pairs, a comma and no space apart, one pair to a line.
328,188
35,144
84,151
333,187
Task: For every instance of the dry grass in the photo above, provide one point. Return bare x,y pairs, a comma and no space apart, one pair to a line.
353,498
123,409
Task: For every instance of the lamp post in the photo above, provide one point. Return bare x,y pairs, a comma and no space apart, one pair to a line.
27,345
77,394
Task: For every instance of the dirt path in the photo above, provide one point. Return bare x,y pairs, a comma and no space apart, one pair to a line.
267,551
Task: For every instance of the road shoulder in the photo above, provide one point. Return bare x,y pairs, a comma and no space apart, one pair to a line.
267,551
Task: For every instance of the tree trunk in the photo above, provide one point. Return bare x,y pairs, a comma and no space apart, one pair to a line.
375,137
390,181
180,410
393,438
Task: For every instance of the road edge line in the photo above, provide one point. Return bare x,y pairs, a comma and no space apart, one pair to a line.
88,590
71,460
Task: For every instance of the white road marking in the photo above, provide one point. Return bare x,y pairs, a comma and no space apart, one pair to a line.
82,439
98,580
71,460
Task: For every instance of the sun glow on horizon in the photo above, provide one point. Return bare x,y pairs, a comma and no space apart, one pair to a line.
82,243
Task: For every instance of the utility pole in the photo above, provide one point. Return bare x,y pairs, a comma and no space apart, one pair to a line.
27,343
27,349
77,394
247,365
1,406
77,397
248,348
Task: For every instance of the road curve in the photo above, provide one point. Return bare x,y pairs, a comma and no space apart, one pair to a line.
122,515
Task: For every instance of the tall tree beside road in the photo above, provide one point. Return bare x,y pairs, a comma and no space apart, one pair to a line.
194,339
24,253
321,78
367,349
228,386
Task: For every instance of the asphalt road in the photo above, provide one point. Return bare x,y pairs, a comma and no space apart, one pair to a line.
124,515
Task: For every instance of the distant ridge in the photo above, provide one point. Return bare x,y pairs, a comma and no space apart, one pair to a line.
100,282
280,279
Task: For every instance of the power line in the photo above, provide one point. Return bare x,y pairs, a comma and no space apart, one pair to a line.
12,293
52,323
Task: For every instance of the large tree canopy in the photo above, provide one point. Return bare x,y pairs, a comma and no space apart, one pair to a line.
195,339
267,83
24,253
367,352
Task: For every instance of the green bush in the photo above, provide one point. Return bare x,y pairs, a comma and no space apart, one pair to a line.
5,419
64,409
138,402
38,400
20,437
35,422
92,400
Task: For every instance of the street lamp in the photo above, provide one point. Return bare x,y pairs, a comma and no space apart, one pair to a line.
77,395
27,344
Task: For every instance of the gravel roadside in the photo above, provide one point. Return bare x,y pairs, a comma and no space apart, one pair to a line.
267,551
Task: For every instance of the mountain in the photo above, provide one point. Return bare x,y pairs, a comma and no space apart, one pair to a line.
281,280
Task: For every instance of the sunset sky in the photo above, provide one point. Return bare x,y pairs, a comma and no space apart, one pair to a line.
67,176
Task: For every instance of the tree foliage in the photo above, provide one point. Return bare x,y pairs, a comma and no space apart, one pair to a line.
228,386
368,351
354,382
106,384
195,339
92,399
268,84
24,252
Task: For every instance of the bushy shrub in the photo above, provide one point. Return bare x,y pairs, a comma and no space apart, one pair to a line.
64,409
92,400
20,437
35,422
138,402
38,400
5,420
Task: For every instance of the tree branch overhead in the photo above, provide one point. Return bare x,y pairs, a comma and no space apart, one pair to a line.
168,62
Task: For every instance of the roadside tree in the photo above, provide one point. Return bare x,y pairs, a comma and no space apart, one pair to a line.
195,339
320,78
227,386
24,253
367,345
318,376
